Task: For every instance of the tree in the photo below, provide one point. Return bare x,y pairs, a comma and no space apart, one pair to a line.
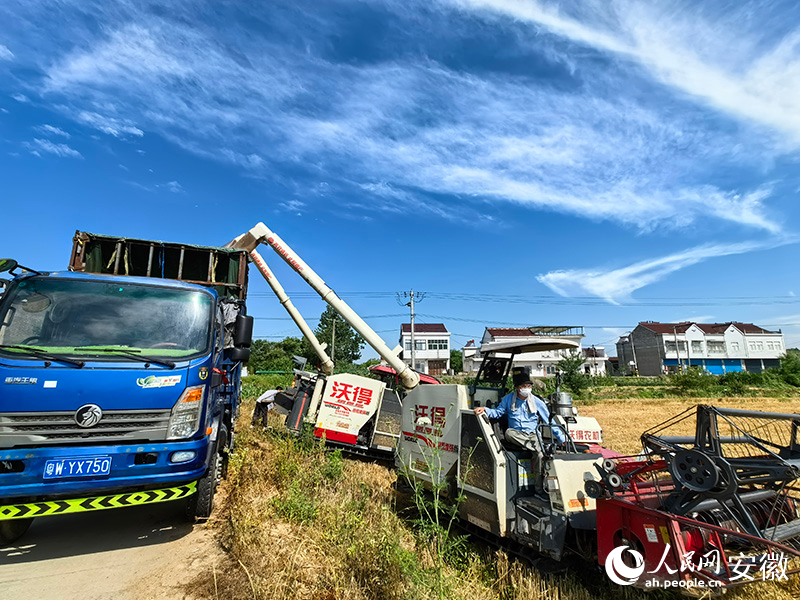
348,343
572,377
274,356
456,361
790,367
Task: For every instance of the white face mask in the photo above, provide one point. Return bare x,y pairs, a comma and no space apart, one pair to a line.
524,392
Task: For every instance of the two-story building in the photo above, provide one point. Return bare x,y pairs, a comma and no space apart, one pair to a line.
654,348
432,347
540,364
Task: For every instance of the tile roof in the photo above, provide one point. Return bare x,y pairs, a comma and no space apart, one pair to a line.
509,331
717,328
424,328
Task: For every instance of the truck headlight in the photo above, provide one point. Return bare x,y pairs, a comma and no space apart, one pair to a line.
185,417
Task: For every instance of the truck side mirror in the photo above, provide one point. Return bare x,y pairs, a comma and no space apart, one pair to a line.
243,333
239,354
7,264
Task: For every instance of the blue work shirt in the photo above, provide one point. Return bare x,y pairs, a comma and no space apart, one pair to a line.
521,419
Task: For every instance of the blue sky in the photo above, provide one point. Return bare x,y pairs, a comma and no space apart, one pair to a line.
522,162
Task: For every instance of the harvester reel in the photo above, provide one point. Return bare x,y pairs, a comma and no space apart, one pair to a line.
694,470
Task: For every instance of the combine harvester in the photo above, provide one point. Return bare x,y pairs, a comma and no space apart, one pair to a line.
706,511
356,413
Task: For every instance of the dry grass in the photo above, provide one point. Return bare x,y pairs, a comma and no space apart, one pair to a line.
301,522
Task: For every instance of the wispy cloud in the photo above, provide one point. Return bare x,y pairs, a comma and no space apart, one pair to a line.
51,130
5,53
21,98
37,146
618,284
722,58
172,187
408,128
414,127
293,205
109,125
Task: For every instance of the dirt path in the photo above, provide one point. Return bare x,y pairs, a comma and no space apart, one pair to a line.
140,553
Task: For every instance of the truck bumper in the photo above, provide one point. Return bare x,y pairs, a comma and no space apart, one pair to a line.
133,468
73,505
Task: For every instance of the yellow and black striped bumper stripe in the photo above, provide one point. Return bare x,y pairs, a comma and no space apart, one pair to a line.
62,507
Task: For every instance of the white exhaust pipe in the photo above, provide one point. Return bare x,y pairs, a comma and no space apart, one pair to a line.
327,363
262,234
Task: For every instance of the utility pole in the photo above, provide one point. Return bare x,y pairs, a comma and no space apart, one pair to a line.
413,298
333,341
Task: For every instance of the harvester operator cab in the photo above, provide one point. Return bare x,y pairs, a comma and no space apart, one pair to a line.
491,385
505,489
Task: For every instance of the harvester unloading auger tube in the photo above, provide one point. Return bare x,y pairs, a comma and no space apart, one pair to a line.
262,234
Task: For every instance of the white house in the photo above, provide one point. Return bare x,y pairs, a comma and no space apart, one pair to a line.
654,348
541,364
432,347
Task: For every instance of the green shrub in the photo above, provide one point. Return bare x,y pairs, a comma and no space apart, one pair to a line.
693,380
296,504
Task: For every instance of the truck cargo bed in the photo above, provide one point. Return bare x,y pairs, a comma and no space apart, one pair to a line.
223,269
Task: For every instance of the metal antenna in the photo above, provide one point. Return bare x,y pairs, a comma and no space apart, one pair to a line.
412,298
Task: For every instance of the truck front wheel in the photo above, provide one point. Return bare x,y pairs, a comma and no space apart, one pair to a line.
200,504
13,529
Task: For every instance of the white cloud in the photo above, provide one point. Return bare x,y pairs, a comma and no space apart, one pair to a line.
294,205
724,59
412,127
109,125
51,130
38,145
172,187
5,53
618,284
20,98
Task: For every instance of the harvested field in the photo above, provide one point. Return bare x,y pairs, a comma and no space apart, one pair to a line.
303,522
623,421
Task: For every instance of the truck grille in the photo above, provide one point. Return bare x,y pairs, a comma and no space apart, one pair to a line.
24,429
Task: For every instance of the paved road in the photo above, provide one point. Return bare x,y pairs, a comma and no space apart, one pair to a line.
126,554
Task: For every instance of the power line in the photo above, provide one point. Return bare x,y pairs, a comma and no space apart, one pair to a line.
665,301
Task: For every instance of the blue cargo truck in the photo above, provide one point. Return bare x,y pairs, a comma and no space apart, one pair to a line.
119,378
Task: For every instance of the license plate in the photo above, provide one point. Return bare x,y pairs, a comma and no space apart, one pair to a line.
92,466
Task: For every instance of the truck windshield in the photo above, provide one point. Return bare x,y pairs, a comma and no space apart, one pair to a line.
85,318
